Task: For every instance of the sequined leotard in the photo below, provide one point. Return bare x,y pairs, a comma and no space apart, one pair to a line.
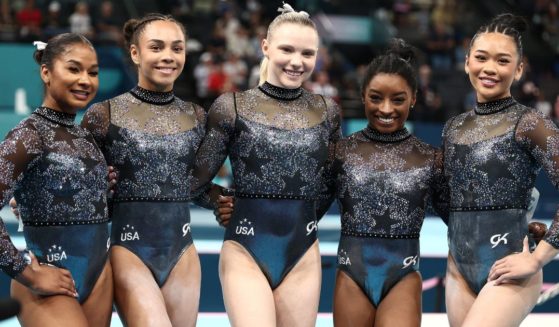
492,156
151,139
58,177
383,183
278,142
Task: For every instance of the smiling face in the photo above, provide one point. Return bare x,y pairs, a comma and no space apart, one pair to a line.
291,51
72,81
160,55
492,65
387,100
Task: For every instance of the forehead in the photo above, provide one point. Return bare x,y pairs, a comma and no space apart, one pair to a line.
162,30
495,43
296,34
392,83
79,52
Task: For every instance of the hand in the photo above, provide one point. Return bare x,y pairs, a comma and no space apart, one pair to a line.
514,267
225,206
13,206
47,280
112,177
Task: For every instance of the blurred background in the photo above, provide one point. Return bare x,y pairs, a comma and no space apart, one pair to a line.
224,54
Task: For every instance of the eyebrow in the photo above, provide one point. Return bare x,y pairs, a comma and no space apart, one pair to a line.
498,54
72,61
395,94
163,42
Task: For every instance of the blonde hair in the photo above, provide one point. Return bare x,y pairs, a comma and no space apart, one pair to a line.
288,15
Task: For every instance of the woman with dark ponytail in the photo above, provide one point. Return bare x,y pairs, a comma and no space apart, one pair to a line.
383,178
57,174
151,137
492,157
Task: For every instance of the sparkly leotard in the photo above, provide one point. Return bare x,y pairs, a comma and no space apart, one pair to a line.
58,177
151,139
492,156
383,184
278,141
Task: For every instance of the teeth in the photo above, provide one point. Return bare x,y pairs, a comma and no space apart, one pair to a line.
166,70
292,73
386,120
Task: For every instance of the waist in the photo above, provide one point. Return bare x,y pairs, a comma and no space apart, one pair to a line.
488,207
274,196
118,199
43,223
380,235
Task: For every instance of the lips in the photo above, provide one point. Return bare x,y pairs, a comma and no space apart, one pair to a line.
488,81
293,73
385,120
165,70
80,94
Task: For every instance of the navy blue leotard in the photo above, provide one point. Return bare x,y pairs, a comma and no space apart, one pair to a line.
151,139
383,183
278,141
58,177
492,157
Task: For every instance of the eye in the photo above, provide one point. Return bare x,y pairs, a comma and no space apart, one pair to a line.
375,98
480,57
308,54
286,50
155,47
504,61
399,101
178,49
74,69
94,73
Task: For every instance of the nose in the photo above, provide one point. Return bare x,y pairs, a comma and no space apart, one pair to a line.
168,55
296,60
385,107
489,67
85,79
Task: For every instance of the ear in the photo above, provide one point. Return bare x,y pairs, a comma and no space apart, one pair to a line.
45,74
413,100
135,54
265,45
466,62
519,71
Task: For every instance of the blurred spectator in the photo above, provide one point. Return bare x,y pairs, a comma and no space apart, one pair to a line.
107,25
550,23
218,81
29,20
428,106
80,20
52,22
236,70
322,86
201,75
440,45
239,43
8,29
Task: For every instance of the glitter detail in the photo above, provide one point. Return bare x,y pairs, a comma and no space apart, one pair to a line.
55,116
277,148
383,187
57,174
491,107
280,93
397,136
492,160
152,97
152,147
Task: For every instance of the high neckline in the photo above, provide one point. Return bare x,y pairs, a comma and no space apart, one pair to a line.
397,136
59,117
153,97
491,107
280,93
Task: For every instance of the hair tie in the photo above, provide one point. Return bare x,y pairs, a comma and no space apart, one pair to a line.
40,45
286,8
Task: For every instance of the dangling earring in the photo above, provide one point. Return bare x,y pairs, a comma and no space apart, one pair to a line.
411,107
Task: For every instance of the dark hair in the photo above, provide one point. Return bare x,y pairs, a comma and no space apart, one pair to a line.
133,28
56,46
507,24
399,59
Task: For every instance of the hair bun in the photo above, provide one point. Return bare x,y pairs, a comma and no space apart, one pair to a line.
401,49
128,30
517,22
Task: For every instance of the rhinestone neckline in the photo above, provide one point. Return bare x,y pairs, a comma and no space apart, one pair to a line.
491,107
59,117
152,97
397,136
280,93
